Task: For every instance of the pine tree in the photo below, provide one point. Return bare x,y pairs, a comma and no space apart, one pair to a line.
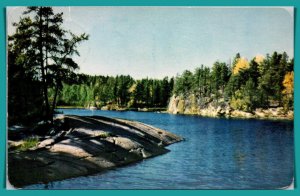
46,41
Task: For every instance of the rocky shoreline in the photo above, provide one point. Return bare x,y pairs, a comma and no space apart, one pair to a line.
208,108
86,145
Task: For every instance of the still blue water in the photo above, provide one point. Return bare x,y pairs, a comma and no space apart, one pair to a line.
217,154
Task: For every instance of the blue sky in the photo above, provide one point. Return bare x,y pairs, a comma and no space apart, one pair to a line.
164,41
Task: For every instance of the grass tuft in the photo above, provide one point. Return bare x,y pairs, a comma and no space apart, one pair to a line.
28,143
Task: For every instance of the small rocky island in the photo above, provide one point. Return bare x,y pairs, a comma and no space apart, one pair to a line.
84,146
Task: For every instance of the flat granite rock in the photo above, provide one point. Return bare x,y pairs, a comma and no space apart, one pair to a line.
90,145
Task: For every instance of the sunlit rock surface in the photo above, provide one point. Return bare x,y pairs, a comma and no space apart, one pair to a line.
207,107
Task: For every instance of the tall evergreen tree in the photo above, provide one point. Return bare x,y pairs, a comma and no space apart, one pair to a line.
48,48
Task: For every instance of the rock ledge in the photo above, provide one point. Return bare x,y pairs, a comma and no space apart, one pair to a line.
87,145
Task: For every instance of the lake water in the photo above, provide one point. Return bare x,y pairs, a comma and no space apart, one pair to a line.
217,154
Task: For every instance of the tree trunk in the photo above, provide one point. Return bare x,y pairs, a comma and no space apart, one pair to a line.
54,102
44,82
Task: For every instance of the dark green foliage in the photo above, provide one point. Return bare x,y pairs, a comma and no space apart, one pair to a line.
184,83
219,78
121,91
232,86
259,86
40,61
24,93
272,73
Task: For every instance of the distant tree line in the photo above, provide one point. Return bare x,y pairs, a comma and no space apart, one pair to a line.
121,91
261,83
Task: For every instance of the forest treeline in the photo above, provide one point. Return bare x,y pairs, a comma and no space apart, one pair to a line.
116,92
263,82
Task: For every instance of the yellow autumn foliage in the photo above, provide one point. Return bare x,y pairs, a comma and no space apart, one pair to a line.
259,59
288,83
132,88
242,63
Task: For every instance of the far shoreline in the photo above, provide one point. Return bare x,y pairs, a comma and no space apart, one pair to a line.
164,110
